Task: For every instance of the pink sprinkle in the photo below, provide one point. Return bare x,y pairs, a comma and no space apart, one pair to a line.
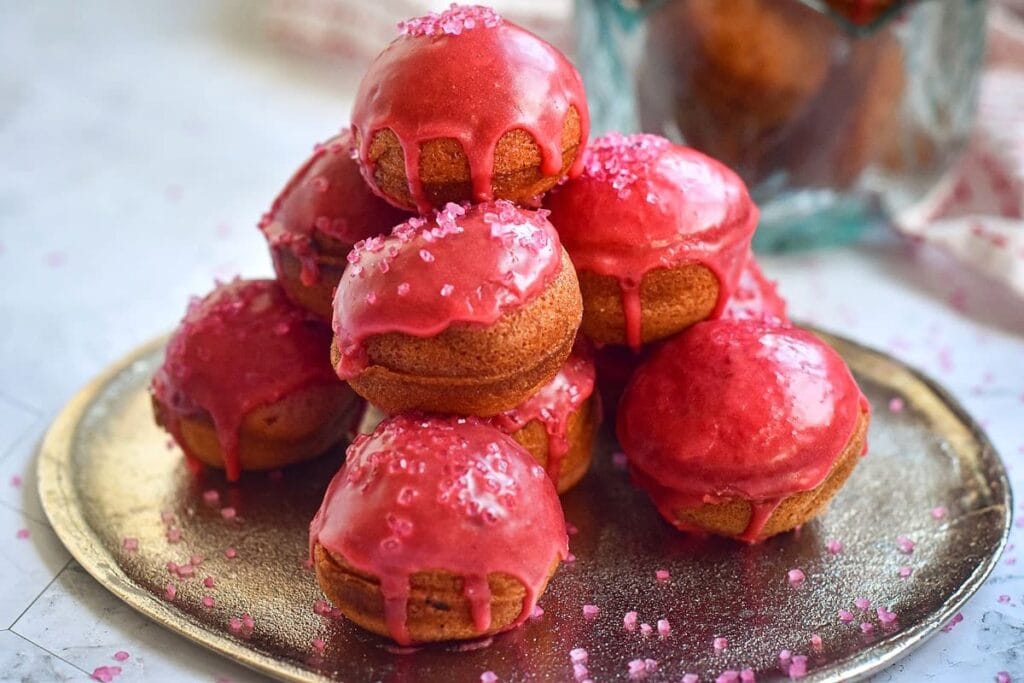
231,553
957,618
834,547
664,628
578,655
247,621
796,577
1003,599
106,673
196,560
867,627
645,629
939,512
16,481
167,517
729,676
690,678
887,617
1003,677
186,571
571,529
845,616
447,289
798,669
173,535
720,643
905,571
426,256
862,603
662,575
636,669
629,621
896,405
235,624
207,601
22,533
403,288
121,656
815,641
130,544
905,545
570,558
579,671
590,611
170,592
319,644
537,612
785,656
228,513
209,582
211,497
747,676
172,566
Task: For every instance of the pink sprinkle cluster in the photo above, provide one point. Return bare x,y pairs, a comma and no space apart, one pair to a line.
451,22
862,603
905,545
640,668
834,547
622,160
885,616
591,611
243,625
720,644
957,618
106,673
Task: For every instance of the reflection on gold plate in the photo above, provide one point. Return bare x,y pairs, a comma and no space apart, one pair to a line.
106,473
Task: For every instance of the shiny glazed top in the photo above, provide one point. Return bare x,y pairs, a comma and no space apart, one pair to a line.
469,75
739,409
465,265
327,200
241,347
442,494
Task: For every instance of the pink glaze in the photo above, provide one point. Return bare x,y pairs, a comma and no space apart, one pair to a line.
553,404
326,196
737,409
466,265
469,75
449,494
756,297
241,347
643,203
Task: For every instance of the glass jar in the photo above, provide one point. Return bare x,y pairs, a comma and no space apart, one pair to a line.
837,113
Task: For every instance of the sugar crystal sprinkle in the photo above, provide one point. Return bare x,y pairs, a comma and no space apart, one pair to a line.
905,545
720,643
591,611
796,577
452,22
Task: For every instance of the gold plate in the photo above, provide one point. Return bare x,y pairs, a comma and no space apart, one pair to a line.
106,473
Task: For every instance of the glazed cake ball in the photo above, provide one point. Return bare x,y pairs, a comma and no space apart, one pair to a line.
557,424
437,529
756,297
465,106
323,210
658,233
742,428
470,312
245,384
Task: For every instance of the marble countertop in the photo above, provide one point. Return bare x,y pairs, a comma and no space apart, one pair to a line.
139,144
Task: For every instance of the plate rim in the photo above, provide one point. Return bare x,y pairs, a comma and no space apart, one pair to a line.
56,492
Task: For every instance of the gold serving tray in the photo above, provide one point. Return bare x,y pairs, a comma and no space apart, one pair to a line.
107,473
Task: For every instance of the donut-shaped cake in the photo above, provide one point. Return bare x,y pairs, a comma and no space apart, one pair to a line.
324,209
470,312
557,424
742,428
658,233
466,106
246,383
437,529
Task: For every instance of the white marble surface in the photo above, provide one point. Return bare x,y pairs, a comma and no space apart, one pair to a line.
139,143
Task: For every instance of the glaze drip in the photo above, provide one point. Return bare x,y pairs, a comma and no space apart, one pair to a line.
643,203
241,347
465,265
326,201
468,75
755,297
738,409
553,404
442,494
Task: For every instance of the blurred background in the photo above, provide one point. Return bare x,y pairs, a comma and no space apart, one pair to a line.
141,141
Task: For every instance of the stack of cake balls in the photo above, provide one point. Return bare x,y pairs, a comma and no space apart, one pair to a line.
461,259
